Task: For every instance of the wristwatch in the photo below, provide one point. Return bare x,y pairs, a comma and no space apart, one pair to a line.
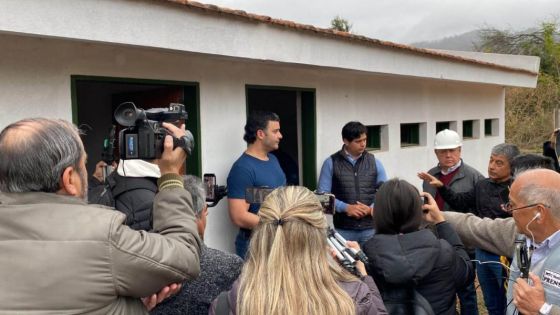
545,309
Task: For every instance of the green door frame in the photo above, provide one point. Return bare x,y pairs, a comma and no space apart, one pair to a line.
191,100
308,129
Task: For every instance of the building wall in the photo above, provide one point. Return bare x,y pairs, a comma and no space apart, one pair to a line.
35,81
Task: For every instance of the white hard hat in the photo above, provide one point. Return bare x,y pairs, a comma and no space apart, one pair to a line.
447,139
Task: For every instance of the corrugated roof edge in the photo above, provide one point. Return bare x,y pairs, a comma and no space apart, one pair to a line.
337,34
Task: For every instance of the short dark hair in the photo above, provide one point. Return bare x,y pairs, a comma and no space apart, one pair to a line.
256,121
529,161
43,148
353,130
398,208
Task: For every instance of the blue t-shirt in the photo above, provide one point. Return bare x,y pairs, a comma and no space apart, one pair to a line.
249,171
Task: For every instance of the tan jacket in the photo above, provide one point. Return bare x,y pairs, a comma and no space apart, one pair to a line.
59,255
496,236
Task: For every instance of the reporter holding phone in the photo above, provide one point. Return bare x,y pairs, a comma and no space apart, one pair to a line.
403,257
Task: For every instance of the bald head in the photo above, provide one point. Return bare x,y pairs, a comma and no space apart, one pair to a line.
539,186
35,152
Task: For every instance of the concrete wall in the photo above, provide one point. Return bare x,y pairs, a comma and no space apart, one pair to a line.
165,25
35,81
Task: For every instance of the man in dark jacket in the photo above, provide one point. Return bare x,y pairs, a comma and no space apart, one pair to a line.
486,200
132,188
353,176
460,177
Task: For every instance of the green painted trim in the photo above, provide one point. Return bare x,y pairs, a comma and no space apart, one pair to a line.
74,100
193,104
308,128
132,80
309,138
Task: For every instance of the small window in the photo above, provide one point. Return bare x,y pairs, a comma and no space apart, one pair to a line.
490,127
442,125
470,129
413,134
377,137
374,137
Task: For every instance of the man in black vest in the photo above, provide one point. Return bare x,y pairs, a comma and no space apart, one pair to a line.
353,176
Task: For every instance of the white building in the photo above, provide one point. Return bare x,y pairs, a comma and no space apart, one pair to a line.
77,59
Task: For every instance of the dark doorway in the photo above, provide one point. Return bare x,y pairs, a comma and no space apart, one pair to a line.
296,108
95,99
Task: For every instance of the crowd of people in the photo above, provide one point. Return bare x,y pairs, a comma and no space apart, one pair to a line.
63,255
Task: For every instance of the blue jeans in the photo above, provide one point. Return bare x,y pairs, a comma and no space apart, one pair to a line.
242,243
491,278
360,236
467,299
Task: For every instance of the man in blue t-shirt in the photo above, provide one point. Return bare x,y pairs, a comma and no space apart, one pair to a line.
256,167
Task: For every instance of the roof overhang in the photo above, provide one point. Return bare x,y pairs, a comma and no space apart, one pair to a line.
192,27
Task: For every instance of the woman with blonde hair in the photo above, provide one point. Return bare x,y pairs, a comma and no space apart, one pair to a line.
288,268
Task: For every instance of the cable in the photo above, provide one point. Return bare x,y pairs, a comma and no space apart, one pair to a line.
491,262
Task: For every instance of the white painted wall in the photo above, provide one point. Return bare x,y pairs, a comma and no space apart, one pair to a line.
165,25
35,81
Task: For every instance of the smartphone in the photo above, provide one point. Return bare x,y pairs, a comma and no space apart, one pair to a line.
210,185
256,194
327,201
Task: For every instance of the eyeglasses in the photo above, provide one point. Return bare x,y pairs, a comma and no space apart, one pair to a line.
509,208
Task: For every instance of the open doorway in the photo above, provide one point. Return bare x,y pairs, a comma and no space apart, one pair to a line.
94,100
296,108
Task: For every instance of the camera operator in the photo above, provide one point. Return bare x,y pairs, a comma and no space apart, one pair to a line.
535,206
61,255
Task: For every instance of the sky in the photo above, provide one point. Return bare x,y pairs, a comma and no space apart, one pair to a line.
407,21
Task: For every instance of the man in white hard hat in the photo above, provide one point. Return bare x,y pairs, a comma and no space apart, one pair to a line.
456,174
486,200
451,170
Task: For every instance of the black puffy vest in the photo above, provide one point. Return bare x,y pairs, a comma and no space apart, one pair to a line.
351,184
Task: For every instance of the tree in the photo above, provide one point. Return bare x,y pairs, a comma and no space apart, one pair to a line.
542,42
340,24
529,112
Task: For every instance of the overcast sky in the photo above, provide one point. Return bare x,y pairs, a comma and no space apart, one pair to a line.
407,21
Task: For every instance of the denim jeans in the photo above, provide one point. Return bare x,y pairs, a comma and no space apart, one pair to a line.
491,278
467,300
360,236
242,243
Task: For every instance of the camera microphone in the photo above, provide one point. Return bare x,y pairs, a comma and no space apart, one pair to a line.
354,253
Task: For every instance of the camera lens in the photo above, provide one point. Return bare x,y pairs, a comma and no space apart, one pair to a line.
127,114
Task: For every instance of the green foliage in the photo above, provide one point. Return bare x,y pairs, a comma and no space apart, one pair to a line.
340,24
543,42
530,112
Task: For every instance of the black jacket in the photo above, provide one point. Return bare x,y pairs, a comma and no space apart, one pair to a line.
485,199
352,183
134,196
436,268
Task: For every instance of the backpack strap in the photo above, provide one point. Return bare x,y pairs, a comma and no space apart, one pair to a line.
222,304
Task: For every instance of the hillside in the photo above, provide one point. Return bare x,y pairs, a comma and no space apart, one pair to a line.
462,42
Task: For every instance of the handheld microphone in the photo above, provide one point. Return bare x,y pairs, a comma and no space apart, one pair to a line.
523,256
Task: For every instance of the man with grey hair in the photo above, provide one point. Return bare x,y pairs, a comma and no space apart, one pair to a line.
218,270
534,202
61,255
452,171
485,200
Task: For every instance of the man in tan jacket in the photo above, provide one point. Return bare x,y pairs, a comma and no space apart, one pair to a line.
60,255
535,205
